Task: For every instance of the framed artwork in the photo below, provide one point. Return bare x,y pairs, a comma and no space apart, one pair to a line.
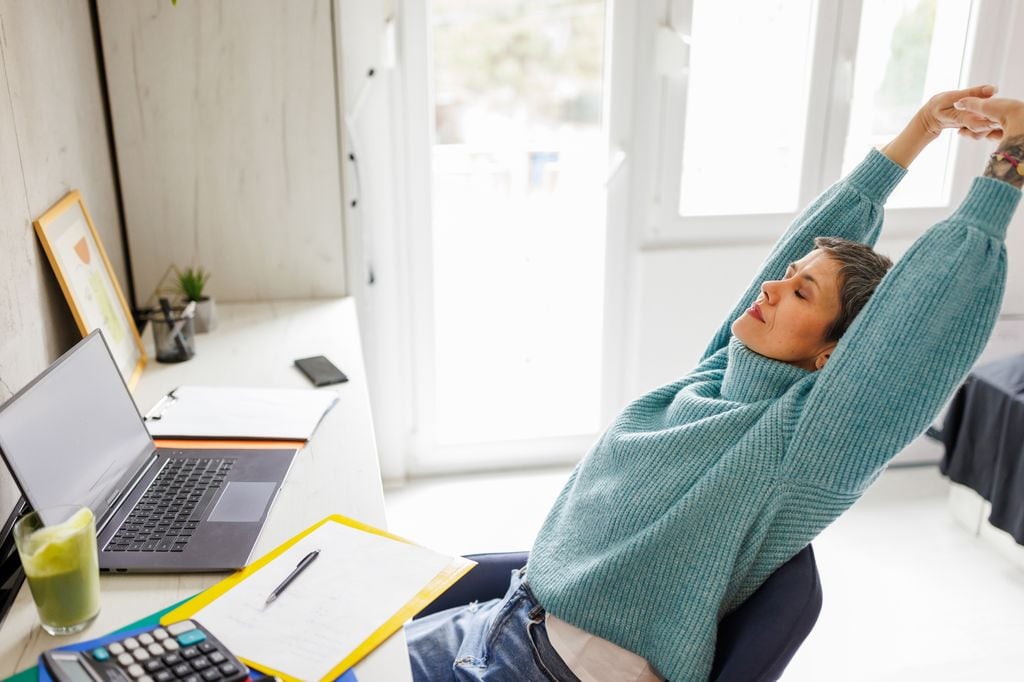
88,282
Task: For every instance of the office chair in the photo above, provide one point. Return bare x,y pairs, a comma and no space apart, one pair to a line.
755,642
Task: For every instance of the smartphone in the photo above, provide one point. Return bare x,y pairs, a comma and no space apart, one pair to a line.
321,371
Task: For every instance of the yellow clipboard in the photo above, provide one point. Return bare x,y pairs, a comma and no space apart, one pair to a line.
458,567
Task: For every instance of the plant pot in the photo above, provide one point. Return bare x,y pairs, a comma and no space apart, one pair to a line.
206,315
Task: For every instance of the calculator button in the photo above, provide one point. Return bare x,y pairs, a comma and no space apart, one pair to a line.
181,670
145,678
146,638
192,678
163,676
160,634
170,644
155,649
189,652
211,674
228,669
136,671
131,643
206,647
200,663
125,659
178,628
140,654
100,654
191,637
152,665
216,657
171,659
116,648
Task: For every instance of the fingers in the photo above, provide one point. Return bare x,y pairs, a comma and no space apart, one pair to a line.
976,123
995,109
974,105
979,91
995,134
964,132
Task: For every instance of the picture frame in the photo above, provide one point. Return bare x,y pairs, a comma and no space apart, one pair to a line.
83,270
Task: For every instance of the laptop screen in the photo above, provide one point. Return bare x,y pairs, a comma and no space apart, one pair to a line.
74,433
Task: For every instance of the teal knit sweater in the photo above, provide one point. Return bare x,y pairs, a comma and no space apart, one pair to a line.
700,489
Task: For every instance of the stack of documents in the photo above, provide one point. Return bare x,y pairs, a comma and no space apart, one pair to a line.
362,587
244,413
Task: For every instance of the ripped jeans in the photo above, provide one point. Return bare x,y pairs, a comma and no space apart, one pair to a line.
501,639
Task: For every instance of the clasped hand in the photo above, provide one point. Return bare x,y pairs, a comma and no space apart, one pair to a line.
944,110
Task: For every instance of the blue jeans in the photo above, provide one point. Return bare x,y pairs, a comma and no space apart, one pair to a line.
502,639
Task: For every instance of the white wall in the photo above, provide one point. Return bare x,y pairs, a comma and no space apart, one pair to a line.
227,143
53,138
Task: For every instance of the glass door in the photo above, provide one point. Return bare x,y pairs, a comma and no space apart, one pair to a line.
519,158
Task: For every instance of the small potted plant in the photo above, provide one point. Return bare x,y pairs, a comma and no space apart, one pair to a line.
191,282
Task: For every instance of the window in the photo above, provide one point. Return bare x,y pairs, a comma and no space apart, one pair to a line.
519,161
908,50
748,88
785,96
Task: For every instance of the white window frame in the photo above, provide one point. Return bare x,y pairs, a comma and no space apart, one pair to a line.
837,26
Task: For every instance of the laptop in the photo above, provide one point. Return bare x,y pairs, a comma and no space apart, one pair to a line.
75,436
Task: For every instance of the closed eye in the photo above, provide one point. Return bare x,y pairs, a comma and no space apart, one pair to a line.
799,295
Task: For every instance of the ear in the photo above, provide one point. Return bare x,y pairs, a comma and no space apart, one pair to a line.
823,357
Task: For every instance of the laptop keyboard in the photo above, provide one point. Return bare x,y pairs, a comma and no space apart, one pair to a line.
166,516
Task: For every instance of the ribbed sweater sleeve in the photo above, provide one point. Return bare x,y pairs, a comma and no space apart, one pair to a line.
851,209
909,348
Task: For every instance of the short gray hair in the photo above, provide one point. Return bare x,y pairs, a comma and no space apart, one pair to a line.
861,269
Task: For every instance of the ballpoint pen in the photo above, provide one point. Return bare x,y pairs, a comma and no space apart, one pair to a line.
306,561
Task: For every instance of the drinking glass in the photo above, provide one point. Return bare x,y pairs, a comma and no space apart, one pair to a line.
57,547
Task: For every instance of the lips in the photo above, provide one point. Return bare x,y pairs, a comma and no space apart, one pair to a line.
755,312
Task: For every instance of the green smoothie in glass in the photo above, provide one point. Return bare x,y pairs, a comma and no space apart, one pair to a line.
58,551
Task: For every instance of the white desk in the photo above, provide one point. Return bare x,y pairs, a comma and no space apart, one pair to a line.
337,472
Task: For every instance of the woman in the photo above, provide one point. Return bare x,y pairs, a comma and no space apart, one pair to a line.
702,488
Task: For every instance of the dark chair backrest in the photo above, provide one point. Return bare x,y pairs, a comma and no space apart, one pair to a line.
759,638
755,642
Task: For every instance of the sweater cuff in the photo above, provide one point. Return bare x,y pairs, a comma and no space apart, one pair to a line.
876,176
989,205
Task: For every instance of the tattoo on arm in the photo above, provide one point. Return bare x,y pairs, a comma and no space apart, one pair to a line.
1001,169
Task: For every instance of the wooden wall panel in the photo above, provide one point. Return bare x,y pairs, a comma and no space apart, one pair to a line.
53,138
226,132
57,100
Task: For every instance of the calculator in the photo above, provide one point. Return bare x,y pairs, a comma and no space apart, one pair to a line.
180,652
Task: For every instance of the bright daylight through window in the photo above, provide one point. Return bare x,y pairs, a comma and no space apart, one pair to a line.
750,64
908,50
518,217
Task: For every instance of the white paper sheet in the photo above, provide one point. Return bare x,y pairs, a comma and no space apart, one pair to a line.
228,412
355,585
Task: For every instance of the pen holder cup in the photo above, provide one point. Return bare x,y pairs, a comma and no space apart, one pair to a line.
174,339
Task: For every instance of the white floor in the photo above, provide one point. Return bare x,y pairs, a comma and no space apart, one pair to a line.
909,594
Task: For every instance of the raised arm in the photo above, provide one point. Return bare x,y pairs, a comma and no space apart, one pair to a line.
920,333
852,208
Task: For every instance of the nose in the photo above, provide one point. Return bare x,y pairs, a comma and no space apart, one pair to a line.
770,290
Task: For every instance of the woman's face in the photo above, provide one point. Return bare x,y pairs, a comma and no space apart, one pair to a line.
790,318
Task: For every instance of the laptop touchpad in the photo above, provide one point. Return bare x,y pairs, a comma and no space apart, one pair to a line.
243,501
